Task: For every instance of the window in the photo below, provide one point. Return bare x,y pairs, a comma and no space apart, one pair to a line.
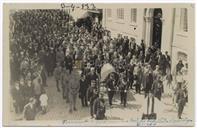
109,13
183,20
133,15
120,13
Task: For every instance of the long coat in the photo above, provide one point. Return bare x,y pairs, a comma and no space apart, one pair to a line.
69,62
148,81
181,97
83,88
99,108
157,89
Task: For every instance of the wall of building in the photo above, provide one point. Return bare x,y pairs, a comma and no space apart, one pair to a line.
183,42
173,40
138,30
124,26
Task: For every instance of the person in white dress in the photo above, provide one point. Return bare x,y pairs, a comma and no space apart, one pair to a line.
44,101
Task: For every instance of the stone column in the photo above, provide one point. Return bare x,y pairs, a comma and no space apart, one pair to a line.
148,31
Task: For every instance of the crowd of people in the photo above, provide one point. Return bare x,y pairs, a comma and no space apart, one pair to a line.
49,45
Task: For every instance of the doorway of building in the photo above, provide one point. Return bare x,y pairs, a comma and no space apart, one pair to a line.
157,28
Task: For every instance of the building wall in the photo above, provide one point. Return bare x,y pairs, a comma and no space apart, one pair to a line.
173,40
183,42
125,26
138,30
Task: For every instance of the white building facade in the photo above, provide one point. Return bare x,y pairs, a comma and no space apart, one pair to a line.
176,28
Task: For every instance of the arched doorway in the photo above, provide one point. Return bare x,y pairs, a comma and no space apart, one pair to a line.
157,28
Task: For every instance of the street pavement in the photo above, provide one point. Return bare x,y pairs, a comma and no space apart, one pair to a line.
58,109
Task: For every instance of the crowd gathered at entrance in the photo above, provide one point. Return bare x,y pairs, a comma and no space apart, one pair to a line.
45,43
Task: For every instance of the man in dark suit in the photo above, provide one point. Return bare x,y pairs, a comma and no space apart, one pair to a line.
43,75
92,94
92,76
69,63
180,100
110,84
123,90
83,91
179,66
130,74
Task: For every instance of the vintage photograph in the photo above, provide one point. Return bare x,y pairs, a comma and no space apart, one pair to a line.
93,64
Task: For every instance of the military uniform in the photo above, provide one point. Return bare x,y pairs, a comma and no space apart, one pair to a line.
83,91
92,94
73,93
110,89
123,92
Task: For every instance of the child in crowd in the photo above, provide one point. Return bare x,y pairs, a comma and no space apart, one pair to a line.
44,101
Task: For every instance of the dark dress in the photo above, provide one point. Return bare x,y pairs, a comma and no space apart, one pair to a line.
99,108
